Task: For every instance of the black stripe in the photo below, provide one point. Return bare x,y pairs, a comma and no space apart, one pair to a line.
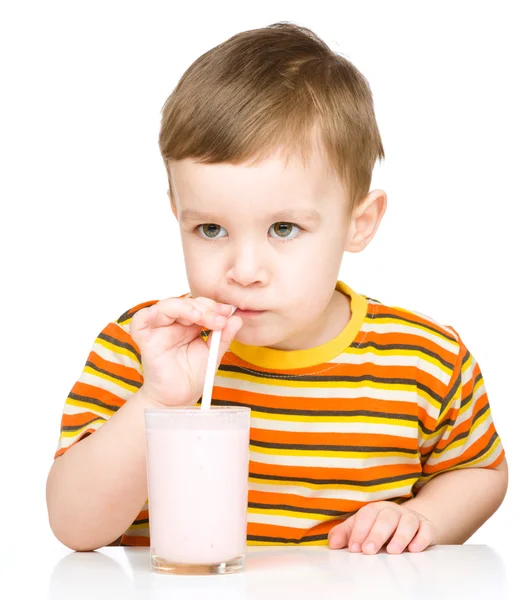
113,375
387,347
324,378
483,450
132,311
478,379
278,540
337,481
120,344
92,401
386,381
465,433
76,427
449,397
141,522
320,413
316,447
319,511
396,317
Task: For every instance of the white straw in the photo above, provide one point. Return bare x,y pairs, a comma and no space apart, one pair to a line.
211,368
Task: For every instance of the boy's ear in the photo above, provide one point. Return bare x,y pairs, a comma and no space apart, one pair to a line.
173,207
365,220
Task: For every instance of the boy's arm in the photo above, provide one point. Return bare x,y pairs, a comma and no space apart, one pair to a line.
96,489
458,502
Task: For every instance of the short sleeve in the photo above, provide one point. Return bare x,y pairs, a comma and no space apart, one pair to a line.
463,435
111,375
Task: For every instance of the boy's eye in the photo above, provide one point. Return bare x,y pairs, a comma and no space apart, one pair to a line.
210,231
281,230
284,230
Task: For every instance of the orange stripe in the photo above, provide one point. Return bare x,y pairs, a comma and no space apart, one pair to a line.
309,403
115,368
364,475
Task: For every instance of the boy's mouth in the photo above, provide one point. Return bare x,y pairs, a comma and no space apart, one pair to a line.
248,313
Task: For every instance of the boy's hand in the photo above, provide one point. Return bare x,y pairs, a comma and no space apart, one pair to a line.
376,523
174,356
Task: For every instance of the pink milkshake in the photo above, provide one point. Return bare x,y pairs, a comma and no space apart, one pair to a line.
198,468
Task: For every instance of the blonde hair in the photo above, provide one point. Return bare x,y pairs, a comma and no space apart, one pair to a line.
272,88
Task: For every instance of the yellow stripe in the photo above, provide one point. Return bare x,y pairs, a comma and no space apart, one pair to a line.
118,382
469,439
485,456
311,543
396,422
138,526
318,518
366,489
118,350
428,399
416,327
93,425
326,453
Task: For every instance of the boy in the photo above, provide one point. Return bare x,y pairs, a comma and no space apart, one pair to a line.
371,426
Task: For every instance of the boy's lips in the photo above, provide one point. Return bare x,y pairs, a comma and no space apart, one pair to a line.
248,312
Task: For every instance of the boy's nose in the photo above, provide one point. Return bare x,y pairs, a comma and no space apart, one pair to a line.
246,268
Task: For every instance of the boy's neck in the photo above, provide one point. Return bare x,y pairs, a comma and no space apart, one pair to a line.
332,322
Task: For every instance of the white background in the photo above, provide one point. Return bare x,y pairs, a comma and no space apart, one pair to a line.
87,232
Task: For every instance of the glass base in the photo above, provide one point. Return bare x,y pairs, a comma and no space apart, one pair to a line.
160,565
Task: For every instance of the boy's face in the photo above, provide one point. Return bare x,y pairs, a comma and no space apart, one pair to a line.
268,238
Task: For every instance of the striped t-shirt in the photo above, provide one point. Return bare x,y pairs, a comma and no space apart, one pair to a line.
373,414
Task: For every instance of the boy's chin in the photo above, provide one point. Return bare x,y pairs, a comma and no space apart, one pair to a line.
255,337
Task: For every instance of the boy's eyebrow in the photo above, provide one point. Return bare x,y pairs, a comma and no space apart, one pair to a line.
287,215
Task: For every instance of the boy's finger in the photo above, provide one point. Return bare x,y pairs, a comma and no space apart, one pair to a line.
360,527
338,537
384,526
216,307
426,536
405,532
142,318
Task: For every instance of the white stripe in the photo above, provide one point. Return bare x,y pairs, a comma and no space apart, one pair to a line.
338,494
373,326
115,357
468,373
330,462
403,360
487,461
416,313
432,410
462,417
71,409
267,518
311,391
335,427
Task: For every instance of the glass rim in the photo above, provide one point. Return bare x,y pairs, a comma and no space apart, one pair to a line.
197,409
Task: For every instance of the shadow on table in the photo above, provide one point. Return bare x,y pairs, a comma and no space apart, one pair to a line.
95,575
156,586
438,573
84,575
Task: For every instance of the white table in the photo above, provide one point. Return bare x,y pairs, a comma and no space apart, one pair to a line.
272,573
